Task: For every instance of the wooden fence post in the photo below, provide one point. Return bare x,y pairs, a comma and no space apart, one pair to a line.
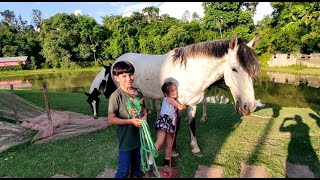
46,100
14,104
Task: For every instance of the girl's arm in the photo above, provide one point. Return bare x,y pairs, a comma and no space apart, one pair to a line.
176,104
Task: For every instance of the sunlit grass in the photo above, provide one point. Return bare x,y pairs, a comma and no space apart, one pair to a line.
295,69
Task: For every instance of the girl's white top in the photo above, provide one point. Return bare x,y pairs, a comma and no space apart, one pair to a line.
168,109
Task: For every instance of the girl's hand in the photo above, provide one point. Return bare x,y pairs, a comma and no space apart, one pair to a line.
176,104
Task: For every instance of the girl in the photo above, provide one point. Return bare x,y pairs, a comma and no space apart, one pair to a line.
166,121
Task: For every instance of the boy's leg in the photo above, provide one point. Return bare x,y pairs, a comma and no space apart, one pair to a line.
136,163
124,164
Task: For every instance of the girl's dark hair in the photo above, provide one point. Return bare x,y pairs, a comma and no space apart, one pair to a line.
165,87
122,67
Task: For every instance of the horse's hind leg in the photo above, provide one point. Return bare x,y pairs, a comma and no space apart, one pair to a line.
157,103
149,105
204,111
192,127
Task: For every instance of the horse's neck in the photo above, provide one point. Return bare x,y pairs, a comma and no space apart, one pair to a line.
214,75
97,80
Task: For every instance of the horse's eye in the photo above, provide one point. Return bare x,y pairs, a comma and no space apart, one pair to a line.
234,69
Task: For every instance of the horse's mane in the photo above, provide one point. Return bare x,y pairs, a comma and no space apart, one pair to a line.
247,58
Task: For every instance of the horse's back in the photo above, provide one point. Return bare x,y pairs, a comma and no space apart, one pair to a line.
147,72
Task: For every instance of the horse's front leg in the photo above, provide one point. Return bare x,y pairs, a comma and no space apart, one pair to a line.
204,111
192,127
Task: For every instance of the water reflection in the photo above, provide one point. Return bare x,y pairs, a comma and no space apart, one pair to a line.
276,89
63,82
309,80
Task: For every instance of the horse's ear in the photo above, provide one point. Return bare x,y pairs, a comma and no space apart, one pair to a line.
254,42
107,68
233,42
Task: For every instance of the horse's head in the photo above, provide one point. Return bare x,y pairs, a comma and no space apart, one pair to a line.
94,100
241,68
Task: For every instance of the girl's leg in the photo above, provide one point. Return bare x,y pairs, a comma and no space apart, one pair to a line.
124,164
168,149
161,134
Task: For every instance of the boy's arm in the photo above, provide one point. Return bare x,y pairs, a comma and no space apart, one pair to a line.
113,119
176,104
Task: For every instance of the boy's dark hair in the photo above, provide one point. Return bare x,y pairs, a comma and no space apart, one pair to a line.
122,67
165,87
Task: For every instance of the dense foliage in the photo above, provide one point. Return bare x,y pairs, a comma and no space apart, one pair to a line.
66,40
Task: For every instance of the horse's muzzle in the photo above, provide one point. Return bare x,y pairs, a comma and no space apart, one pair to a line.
243,109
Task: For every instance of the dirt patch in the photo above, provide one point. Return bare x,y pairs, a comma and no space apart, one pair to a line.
59,176
208,172
297,171
107,173
251,171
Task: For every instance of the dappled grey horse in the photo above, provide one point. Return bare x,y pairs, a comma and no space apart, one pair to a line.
194,68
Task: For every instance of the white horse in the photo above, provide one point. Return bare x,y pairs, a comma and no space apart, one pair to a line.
194,68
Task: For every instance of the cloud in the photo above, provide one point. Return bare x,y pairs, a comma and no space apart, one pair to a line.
136,7
164,8
77,12
263,9
171,8
127,14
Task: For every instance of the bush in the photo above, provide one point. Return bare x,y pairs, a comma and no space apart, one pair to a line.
264,58
11,68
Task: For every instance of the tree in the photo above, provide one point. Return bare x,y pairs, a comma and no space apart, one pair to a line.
37,18
185,16
195,17
9,18
297,25
152,13
60,40
228,15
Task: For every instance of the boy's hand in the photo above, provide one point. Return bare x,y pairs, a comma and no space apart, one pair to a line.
137,122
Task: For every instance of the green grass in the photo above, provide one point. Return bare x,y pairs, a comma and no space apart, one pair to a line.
294,69
226,140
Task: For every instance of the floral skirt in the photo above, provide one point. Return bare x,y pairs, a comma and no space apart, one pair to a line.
164,122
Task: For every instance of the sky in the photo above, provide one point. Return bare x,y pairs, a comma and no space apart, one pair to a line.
98,9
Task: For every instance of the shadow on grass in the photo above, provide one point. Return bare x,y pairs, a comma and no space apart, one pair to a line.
211,135
316,118
300,150
262,139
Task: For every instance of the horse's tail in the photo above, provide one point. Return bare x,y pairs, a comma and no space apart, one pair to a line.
110,86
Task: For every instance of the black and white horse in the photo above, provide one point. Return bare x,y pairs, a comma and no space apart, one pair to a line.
99,84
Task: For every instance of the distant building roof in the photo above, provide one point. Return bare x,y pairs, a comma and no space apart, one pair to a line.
13,59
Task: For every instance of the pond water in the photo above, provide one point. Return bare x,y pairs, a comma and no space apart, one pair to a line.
277,89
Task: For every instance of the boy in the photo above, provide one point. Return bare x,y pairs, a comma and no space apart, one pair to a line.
127,110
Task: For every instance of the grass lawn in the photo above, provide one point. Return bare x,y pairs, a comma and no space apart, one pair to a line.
226,140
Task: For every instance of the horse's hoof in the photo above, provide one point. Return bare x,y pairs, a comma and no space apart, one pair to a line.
202,121
198,154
